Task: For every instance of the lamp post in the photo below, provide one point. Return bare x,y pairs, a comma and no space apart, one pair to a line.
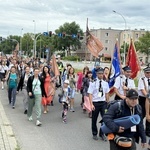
34,43
21,43
124,50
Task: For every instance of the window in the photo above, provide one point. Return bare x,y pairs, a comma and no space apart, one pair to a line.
106,41
136,35
142,35
106,48
106,34
124,36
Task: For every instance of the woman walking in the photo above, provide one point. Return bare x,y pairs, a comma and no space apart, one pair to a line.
12,86
22,85
86,82
35,88
72,84
2,73
48,88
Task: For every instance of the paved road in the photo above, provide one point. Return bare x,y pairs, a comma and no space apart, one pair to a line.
53,135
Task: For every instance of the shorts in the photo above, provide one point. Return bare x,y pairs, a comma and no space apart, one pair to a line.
72,93
2,76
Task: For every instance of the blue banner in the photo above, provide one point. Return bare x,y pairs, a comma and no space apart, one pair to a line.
115,67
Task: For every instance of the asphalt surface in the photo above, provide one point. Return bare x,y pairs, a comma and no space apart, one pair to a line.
53,134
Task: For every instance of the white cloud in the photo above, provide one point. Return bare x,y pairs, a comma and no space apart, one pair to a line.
16,15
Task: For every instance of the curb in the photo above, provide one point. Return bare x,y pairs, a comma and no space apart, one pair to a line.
7,138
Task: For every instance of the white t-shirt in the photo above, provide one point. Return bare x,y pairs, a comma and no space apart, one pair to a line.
119,83
94,90
142,84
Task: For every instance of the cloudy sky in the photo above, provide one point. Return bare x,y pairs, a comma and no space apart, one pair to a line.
16,16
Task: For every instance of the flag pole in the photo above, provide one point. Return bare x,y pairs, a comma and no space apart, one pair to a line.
86,40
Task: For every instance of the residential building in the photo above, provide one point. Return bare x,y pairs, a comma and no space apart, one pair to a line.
108,38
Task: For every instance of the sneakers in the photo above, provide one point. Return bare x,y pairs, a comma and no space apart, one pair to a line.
102,135
2,88
95,137
72,110
30,118
38,123
13,107
65,119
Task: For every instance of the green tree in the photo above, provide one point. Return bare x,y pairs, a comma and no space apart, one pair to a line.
68,42
9,44
27,43
143,45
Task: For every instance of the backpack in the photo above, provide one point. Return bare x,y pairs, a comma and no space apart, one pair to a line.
118,111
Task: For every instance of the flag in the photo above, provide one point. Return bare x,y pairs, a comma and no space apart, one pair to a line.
93,43
17,47
55,66
132,60
115,69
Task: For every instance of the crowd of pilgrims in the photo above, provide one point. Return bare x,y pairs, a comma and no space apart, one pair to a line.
38,83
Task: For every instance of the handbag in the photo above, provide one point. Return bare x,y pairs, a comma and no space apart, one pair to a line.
33,96
123,141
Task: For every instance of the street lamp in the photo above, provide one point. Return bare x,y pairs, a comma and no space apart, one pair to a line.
34,44
21,43
125,32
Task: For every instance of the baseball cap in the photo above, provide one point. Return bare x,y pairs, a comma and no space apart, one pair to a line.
147,69
126,68
100,70
132,94
66,81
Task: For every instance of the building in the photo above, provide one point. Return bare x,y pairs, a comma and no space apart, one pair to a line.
108,37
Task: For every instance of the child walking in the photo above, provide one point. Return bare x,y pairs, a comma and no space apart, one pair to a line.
65,100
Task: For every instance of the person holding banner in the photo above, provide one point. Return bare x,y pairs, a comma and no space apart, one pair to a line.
123,83
122,138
